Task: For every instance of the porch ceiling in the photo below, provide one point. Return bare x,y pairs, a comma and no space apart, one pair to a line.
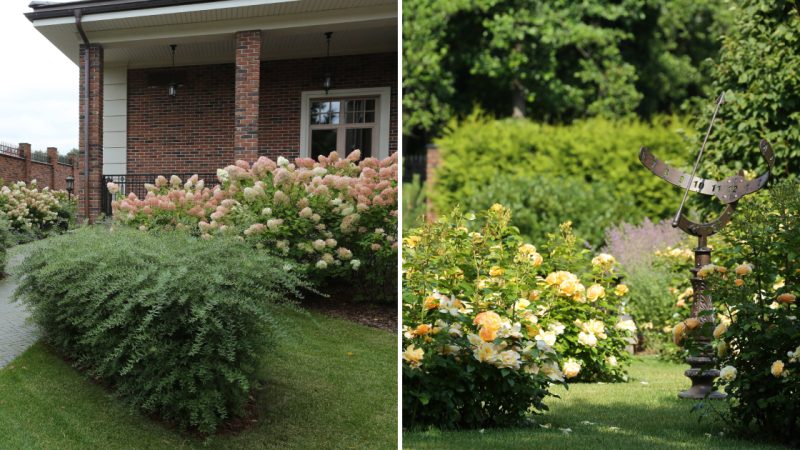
204,32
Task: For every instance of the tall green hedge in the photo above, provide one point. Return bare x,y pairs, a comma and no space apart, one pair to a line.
174,325
478,150
5,242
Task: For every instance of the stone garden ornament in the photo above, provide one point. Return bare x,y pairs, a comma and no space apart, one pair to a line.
728,191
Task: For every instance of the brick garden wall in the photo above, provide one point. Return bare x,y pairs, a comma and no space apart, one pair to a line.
194,132
52,174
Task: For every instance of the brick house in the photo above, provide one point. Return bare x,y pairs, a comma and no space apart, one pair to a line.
188,86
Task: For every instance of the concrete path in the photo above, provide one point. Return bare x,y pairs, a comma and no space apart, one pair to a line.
16,334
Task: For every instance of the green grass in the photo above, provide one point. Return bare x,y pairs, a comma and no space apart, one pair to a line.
328,384
630,415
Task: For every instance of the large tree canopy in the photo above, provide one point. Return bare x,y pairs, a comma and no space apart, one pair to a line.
759,69
554,60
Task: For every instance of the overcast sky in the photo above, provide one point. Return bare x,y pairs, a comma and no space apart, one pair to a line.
39,88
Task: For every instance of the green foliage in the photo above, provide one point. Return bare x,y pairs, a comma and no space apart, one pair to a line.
414,203
758,68
540,203
478,150
560,60
174,325
484,330
759,336
5,243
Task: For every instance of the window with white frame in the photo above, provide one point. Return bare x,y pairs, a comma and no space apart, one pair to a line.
344,121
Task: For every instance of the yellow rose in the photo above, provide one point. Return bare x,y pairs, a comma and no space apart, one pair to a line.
621,290
521,304
787,298
727,373
692,323
678,332
571,368
488,334
536,259
603,260
722,349
526,249
595,291
743,270
706,270
412,241
430,302
534,295
738,282
496,271
777,368
413,356
497,208
720,330
422,329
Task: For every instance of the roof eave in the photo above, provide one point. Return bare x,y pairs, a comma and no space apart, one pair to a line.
102,6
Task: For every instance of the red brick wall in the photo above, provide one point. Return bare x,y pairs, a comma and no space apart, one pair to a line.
89,203
53,175
12,169
248,59
194,132
282,83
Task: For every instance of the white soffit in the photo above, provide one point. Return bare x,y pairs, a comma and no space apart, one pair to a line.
290,29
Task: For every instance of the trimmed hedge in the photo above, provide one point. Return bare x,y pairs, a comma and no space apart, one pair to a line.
174,325
478,150
541,203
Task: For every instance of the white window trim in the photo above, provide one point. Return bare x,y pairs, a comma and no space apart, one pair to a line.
384,95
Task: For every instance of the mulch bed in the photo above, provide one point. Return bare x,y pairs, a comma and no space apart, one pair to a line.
340,303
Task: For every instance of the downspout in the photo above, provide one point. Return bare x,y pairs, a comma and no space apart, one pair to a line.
85,106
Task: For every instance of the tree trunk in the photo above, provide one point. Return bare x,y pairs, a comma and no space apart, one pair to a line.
518,100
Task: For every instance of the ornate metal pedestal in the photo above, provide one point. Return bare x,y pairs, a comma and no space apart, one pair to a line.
729,191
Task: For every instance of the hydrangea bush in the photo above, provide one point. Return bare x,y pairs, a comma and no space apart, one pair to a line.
757,335
490,322
336,215
33,211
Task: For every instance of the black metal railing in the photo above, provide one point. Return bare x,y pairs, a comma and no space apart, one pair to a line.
39,156
64,159
10,150
135,183
414,164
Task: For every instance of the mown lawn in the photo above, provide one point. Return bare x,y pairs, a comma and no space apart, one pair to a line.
329,384
642,414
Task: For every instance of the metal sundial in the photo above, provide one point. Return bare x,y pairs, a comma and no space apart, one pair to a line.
728,191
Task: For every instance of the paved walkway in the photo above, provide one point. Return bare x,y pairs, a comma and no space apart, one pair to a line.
16,334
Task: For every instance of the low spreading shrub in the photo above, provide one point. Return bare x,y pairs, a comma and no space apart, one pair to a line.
489,322
755,290
540,203
478,150
335,215
34,213
414,203
174,325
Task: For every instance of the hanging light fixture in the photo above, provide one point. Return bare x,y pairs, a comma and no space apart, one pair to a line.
328,82
173,86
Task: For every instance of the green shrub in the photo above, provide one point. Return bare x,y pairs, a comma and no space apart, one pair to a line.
489,322
414,203
176,326
477,151
5,243
540,203
757,68
758,338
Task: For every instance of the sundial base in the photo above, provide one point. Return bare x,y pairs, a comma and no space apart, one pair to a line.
702,380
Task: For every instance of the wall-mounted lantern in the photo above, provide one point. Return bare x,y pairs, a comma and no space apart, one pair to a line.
328,83
70,186
173,85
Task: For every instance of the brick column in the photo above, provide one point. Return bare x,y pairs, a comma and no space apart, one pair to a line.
52,156
25,151
89,202
248,80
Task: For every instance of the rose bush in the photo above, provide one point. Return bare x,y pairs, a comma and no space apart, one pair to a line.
338,216
35,212
490,322
757,337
